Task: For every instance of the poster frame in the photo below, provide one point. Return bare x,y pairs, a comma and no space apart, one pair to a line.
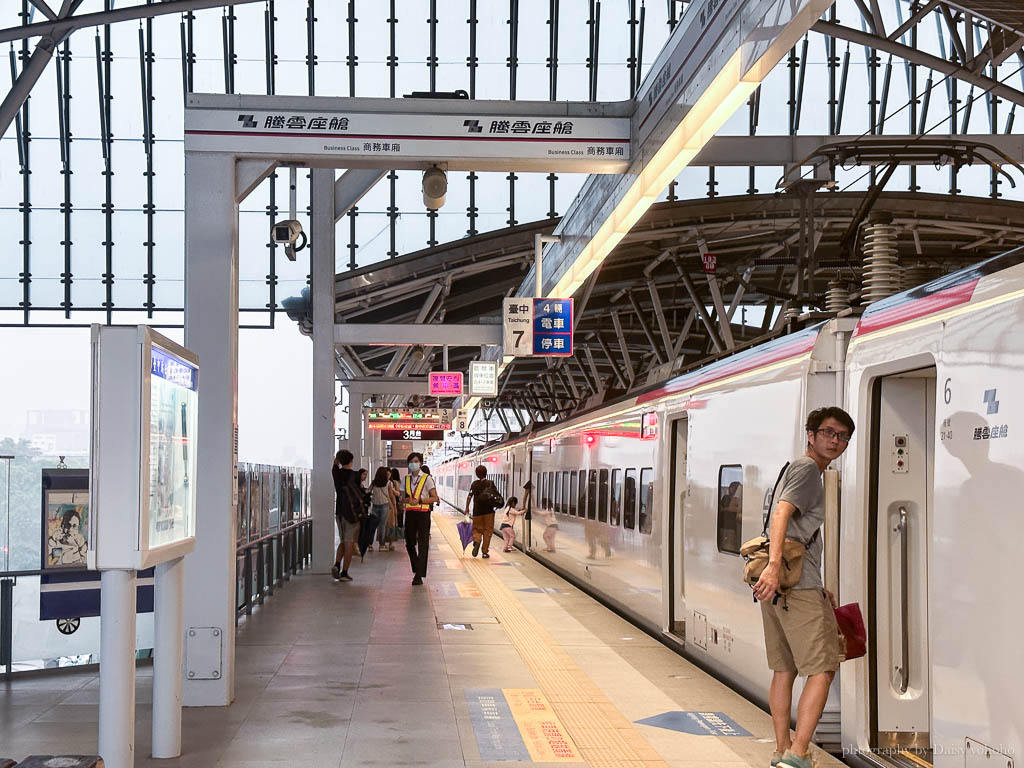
55,480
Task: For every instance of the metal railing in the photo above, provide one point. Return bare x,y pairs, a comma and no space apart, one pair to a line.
266,563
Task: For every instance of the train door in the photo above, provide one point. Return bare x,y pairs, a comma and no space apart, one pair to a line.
677,498
903,450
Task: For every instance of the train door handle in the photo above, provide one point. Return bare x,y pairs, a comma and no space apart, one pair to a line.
904,668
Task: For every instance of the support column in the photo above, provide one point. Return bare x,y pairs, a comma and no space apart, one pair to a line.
355,425
211,331
322,273
117,669
168,636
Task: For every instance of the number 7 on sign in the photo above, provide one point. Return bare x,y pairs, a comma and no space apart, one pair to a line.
519,337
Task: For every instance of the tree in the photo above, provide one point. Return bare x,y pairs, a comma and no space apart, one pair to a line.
26,501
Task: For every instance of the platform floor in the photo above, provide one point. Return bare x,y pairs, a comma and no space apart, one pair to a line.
376,672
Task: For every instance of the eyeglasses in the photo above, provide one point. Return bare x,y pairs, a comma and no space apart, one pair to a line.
831,434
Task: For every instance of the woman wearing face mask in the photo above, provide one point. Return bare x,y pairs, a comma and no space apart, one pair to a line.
419,494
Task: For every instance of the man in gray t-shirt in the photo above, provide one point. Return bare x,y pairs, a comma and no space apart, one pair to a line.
802,487
800,631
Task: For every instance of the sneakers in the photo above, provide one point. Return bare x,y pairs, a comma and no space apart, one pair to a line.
485,555
344,576
791,759
417,581
776,759
336,570
476,548
382,548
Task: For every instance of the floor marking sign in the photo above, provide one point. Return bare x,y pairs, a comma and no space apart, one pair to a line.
467,589
697,723
545,737
443,589
543,590
497,735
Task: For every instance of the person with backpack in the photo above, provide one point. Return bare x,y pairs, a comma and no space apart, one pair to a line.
348,508
800,631
485,499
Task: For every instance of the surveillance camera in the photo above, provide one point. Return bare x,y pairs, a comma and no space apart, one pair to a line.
287,233
435,187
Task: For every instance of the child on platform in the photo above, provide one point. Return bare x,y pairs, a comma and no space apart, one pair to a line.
508,523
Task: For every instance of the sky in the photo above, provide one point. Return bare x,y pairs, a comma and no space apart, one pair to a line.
49,368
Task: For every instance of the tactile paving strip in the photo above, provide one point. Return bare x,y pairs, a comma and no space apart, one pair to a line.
603,736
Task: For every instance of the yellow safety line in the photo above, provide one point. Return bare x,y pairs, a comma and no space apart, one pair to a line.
603,736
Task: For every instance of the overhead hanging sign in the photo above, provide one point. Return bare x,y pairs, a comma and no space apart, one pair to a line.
412,434
446,383
483,378
372,131
517,327
404,418
537,327
552,327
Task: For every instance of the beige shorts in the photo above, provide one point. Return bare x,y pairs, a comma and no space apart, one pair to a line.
801,634
346,530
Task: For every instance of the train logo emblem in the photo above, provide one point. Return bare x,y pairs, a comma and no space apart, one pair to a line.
990,399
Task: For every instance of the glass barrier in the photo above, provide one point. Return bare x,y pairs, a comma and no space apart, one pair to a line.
42,636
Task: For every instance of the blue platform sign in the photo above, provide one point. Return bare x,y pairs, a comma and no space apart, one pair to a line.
497,734
552,327
697,723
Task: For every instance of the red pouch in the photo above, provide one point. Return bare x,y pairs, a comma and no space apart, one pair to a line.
851,625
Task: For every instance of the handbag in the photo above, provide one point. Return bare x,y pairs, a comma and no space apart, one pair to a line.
394,533
755,551
853,636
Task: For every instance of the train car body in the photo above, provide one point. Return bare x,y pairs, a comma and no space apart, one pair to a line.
644,502
931,512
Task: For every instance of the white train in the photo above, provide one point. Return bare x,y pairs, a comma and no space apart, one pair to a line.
653,494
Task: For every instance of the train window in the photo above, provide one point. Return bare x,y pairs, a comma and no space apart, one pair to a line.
572,494
730,508
565,494
556,492
616,495
547,490
646,499
592,495
582,500
602,497
629,501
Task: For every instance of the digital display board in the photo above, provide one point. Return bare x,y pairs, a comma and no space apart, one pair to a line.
402,425
412,434
174,412
421,418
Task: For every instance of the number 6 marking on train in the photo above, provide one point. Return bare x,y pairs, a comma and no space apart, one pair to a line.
947,395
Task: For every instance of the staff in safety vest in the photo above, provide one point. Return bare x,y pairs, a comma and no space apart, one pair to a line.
418,493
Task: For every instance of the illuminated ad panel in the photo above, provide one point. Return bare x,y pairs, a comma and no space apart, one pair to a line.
173,419
445,383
